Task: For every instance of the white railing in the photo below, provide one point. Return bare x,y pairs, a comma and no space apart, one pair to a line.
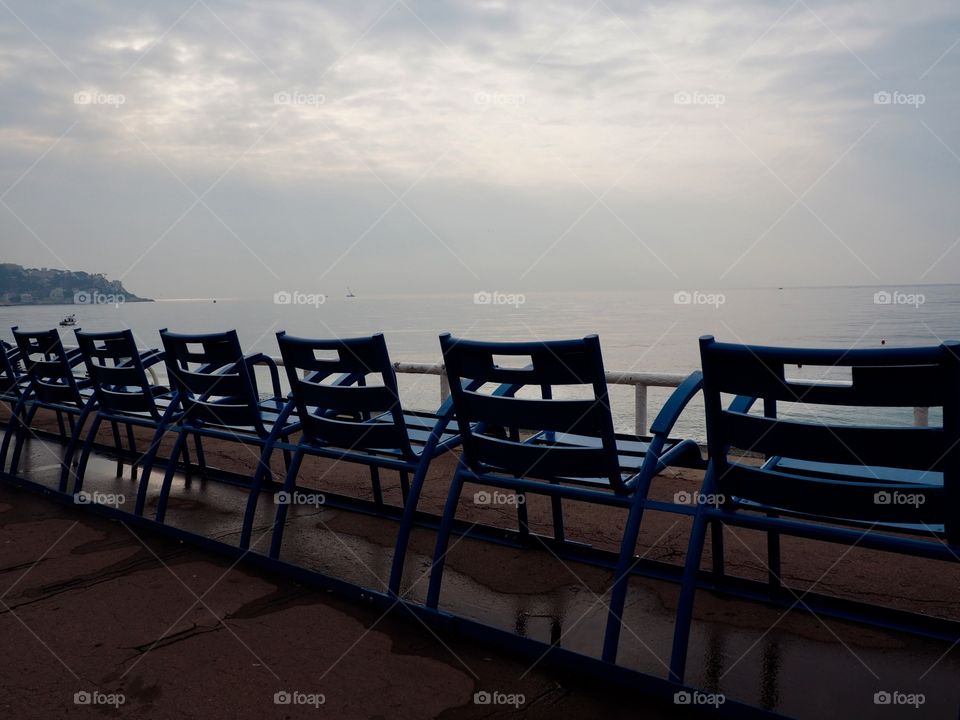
640,381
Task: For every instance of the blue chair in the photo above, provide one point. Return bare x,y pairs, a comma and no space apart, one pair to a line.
565,449
346,398
823,479
12,380
124,393
52,383
13,384
218,397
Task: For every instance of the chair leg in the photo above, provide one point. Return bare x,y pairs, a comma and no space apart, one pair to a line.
132,446
263,472
688,589
62,428
375,484
187,464
21,437
85,454
146,463
775,572
716,548
406,523
17,415
168,476
201,458
404,485
72,445
556,503
443,541
621,581
523,519
116,443
280,522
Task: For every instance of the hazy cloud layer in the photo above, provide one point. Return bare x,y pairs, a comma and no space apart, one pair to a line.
427,146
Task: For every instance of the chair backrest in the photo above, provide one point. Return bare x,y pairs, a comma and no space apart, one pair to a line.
876,450
11,371
497,444
115,366
212,379
48,367
345,392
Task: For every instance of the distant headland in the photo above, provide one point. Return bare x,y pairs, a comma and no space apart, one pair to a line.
48,286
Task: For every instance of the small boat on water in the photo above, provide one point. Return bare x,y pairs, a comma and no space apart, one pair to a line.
350,292
69,321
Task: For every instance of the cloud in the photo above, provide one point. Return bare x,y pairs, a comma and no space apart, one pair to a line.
720,111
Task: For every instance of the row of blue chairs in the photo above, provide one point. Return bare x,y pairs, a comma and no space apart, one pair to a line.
879,486
344,404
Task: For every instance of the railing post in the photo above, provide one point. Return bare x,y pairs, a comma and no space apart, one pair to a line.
921,416
444,386
640,409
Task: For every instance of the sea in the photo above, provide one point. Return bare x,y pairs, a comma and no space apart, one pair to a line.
640,331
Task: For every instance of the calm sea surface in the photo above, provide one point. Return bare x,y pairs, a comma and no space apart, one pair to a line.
639,331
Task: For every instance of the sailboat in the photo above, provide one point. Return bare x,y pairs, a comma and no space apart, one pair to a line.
350,292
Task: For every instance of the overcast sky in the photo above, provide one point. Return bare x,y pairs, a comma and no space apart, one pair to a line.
216,148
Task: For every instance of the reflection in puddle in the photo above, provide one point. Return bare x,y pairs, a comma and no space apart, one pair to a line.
556,630
770,674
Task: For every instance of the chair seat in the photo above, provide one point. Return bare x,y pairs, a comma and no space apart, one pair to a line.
270,410
631,450
86,393
11,395
419,427
162,397
873,476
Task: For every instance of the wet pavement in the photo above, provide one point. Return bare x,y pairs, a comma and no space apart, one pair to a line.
110,609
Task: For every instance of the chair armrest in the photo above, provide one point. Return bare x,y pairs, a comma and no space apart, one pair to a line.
653,461
261,359
678,400
742,404
151,357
